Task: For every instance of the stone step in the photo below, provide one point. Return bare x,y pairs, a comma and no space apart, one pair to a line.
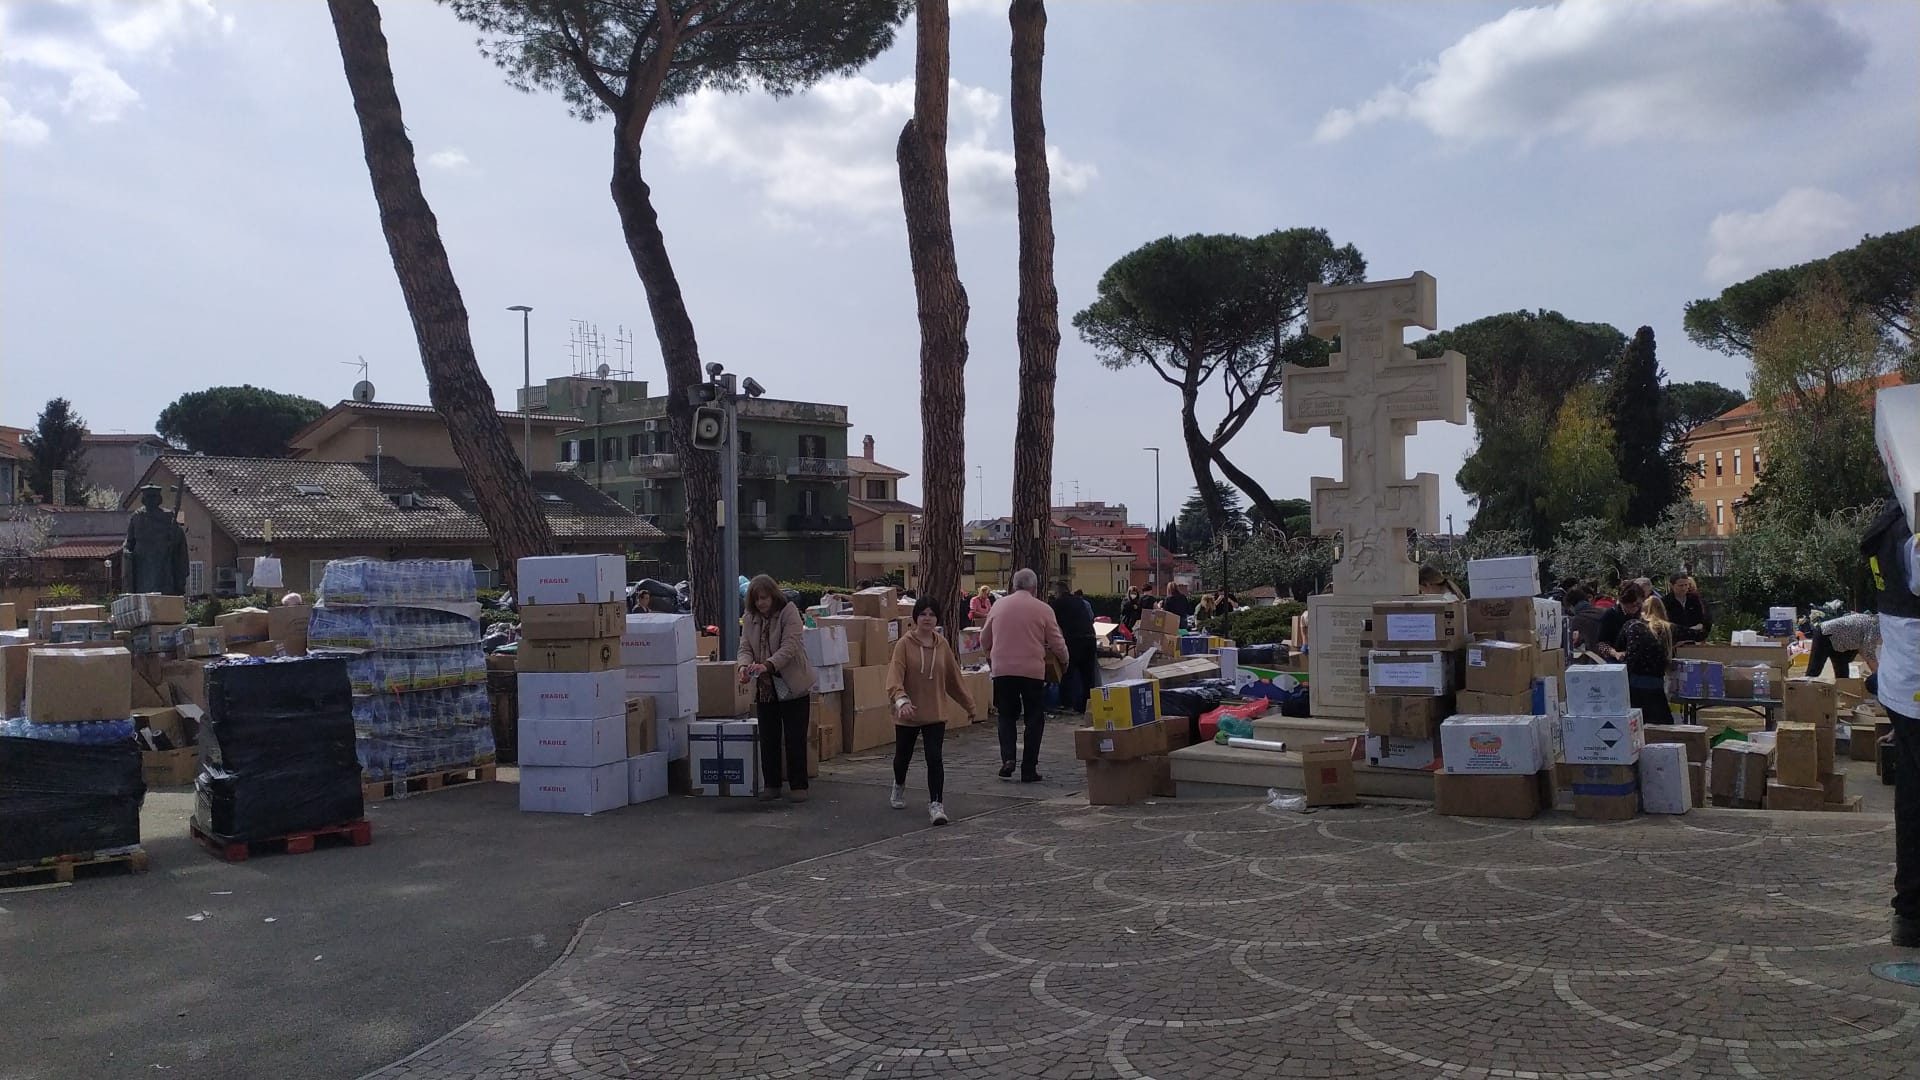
1212,771
1298,731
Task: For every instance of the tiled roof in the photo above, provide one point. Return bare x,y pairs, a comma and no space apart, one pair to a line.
83,549
394,408
885,506
117,437
860,466
311,500
1752,408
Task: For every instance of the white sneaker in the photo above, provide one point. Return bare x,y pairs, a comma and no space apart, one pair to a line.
937,813
898,800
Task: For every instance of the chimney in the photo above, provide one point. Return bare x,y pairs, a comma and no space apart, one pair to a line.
866,445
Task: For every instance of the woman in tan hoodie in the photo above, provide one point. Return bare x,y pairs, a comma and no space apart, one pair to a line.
923,670
773,657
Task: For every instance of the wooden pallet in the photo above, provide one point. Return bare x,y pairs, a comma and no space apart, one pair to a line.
357,833
63,869
378,790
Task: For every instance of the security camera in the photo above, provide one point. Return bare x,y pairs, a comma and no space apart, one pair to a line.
714,370
753,388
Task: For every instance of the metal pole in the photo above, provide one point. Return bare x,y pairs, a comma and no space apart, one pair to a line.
729,530
526,386
1158,525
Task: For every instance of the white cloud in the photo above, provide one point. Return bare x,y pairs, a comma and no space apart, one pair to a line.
1617,70
66,56
452,159
1803,224
831,148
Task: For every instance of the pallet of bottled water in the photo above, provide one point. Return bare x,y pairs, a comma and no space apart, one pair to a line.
402,735
408,583
407,671
393,629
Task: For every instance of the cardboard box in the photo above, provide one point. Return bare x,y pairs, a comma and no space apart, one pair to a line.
1597,690
826,741
288,624
244,626
823,710
13,674
1124,704
1693,737
646,777
1512,576
82,631
1739,772
643,736
720,693
826,645
866,729
257,649
657,639
147,609
169,768
1390,752
866,636
570,654
1835,787
1896,431
1698,679
830,678
675,736
1417,624
573,743
572,579
726,758
1601,740
44,618
1159,621
674,689
1515,797
867,687
1119,744
1327,769
1120,783
571,695
71,685
1476,703
1697,783
1496,745
544,622
1860,739
1396,717
1810,701
1751,682
9,617
1664,784
1784,796
877,603
1500,667
1423,673
200,642
1798,758
545,789
979,686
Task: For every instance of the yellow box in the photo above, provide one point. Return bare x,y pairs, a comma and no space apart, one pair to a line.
1124,704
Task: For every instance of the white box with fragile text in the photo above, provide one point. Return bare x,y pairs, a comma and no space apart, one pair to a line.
572,695
655,639
573,790
572,579
573,743
1514,575
674,688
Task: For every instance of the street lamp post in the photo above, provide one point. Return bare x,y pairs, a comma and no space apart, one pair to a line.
1158,525
526,386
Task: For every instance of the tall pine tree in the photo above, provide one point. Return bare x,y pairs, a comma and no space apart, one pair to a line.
1639,450
58,443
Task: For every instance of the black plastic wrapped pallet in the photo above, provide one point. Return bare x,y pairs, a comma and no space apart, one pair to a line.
277,751
1263,655
1191,701
67,799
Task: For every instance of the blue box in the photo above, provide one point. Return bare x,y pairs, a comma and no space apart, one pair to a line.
1124,704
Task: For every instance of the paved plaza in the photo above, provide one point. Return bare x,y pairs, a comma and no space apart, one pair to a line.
1227,940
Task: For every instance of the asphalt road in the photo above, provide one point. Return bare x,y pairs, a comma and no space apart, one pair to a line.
336,962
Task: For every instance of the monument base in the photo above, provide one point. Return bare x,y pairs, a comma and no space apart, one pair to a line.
1209,771
1336,670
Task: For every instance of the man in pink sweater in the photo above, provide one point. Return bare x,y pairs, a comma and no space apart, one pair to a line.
1020,634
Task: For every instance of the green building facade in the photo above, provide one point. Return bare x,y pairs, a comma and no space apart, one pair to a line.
794,520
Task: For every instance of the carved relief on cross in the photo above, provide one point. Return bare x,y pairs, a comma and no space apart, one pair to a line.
1373,395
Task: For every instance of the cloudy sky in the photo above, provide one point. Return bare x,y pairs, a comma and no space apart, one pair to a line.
183,201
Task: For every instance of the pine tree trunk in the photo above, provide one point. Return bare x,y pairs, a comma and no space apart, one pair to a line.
502,492
942,302
1038,319
680,350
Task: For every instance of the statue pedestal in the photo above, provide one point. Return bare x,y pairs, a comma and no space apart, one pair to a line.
1336,661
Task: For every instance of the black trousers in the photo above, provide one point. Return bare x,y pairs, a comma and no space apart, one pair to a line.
1649,695
936,740
1823,650
783,743
1017,697
1906,815
1081,662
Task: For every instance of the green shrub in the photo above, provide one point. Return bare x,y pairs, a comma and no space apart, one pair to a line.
63,593
1258,626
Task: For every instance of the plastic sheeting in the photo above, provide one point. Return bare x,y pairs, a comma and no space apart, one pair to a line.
277,750
61,798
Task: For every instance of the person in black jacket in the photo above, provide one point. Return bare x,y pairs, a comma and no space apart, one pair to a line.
1179,602
1075,617
1613,622
1691,622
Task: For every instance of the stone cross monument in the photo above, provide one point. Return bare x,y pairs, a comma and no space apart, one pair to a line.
1372,395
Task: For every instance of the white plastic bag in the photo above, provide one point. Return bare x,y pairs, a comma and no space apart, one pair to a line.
266,573
1277,801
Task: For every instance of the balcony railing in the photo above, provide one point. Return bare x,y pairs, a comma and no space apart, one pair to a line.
884,546
654,465
818,523
759,466
819,468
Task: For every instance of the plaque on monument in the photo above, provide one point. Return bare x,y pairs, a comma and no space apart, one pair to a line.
1372,395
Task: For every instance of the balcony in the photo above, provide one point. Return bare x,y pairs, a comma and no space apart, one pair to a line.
654,465
813,468
819,523
759,466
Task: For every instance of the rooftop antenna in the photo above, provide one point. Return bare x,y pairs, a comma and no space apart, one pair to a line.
362,390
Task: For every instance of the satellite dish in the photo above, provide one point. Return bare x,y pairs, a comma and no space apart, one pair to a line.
363,391
604,370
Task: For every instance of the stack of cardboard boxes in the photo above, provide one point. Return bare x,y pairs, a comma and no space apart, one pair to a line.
1601,738
658,654
1413,661
1805,776
573,700
1158,629
1125,744
1695,751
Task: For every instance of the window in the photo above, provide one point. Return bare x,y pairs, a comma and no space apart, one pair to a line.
809,502
586,451
1719,512
1756,461
1703,465
550,497
1719,463
876,489
312,491
746,442
612,448
1736,462
636,445
900,537
966,564
813,446
659,442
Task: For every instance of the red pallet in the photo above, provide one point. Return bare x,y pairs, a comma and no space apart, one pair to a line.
357,833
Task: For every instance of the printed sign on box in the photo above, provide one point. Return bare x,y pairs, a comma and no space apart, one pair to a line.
1495,745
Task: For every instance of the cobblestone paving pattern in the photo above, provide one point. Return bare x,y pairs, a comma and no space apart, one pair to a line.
1225,941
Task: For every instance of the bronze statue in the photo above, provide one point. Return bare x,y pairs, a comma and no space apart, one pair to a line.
155,556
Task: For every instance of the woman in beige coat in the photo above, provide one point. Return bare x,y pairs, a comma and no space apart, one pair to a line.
773,657
922,672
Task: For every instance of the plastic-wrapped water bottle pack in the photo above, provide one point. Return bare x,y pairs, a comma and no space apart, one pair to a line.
418,669
412,581
85,733
389,629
